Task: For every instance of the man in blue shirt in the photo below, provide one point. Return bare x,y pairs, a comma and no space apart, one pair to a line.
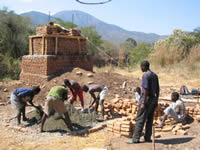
19,99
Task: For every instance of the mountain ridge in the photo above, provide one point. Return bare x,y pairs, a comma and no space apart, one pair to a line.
108,31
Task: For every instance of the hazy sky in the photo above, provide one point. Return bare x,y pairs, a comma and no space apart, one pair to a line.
150,16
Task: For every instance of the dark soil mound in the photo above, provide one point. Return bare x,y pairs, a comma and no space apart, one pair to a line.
113,81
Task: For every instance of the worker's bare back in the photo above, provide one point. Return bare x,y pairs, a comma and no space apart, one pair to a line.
96,88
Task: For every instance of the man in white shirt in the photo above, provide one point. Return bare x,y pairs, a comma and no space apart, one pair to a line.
175,110
137,92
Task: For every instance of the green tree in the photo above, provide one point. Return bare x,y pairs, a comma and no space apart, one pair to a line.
125,51
94,40
110,49
183,41
140,52
196,33
131,42
14,32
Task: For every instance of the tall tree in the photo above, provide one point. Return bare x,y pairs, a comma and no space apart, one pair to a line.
140,52
131,42
14,32
94,40
125,50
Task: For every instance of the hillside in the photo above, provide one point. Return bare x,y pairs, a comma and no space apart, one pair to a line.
107,31
37,17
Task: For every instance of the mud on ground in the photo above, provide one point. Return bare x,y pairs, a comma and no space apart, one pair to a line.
55,122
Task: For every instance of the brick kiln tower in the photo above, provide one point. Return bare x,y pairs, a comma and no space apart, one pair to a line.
52,53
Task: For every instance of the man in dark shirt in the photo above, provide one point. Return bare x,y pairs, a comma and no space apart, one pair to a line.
148,103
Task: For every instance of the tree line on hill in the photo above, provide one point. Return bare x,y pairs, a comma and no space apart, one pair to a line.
178,47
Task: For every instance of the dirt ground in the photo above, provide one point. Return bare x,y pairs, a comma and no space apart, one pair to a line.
29,138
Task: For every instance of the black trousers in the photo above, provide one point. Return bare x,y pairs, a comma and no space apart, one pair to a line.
145,116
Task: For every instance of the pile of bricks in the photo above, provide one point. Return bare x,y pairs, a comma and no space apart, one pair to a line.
180,129
194,112
128,108
43,30
121,127
75,32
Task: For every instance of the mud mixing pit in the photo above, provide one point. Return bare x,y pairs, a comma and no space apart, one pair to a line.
55,123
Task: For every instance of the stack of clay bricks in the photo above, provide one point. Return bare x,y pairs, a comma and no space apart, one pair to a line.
43,30
127,108
74,32
177,129
194,112
65,46
34,64
180,129
120,127
108,109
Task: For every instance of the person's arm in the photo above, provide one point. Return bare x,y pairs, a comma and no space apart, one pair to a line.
72,91
145,91
158,90
144,99
31,102
67,121
182,110
76,92
80,94
65,94
93,96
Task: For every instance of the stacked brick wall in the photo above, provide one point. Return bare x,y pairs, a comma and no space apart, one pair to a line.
66,46
61,63
37,46
45,30
42,30
83,43
50,44
34,64
48,58
39,68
